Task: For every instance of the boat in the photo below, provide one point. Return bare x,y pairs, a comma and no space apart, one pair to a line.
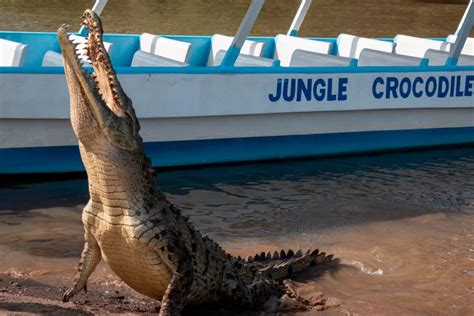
222,99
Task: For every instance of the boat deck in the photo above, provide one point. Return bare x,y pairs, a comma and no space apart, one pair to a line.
124,47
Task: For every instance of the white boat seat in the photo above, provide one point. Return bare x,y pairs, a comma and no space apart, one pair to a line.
12,54
54,59
439,58
416,46
285,46
142,59
302,58
245,60
370,57
222,42
350,46
165,47
468,48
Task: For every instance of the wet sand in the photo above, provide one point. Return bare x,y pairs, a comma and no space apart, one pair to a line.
401,224
415,266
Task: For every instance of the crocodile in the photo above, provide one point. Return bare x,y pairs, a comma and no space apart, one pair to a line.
130,224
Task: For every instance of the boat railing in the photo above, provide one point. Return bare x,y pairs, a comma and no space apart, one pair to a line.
299,17
242,33
233,51
462,33
249,21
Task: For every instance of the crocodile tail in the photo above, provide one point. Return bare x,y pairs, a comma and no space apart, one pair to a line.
281,265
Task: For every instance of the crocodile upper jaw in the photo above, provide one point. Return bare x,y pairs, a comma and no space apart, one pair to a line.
97,94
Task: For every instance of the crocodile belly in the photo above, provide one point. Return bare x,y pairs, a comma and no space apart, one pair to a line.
139,267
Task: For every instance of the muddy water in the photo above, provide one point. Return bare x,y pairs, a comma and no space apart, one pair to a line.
377,18
402,224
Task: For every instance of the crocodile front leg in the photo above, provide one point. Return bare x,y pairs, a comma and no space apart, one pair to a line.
177,258
90,257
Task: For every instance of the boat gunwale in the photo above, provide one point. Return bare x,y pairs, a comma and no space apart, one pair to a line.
206,70
248,70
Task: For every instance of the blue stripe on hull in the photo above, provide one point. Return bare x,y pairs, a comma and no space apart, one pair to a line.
185,153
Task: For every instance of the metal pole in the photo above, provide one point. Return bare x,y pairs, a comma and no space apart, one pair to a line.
462,33
299,17
98,7
464,18
242,33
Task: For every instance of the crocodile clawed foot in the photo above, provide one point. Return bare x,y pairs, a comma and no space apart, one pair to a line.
71,292
67,295
292,301
286,303
289,303
290,288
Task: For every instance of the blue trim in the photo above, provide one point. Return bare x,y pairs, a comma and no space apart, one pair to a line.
354,62
231,56
185,153
83,31
125,45
424,62
294,33
248,70
451,61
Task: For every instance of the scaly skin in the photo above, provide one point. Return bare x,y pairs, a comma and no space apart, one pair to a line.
130,224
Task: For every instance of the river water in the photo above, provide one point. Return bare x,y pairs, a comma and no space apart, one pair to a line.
326,18
402,224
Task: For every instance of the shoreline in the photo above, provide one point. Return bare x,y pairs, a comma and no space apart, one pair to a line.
25,294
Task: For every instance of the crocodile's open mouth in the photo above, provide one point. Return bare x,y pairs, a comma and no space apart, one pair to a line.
94,88
101,78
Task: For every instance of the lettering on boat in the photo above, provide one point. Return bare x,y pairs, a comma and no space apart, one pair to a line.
310,89
431,87
390,87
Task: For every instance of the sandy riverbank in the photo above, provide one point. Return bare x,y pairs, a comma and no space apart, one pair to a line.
40,292
404,232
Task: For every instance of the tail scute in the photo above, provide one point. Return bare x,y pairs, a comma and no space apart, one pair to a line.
281,265
282,255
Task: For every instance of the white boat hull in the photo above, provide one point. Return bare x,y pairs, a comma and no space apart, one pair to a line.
195,116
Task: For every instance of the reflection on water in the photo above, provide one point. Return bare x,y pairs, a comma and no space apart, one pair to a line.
327,18
402,224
